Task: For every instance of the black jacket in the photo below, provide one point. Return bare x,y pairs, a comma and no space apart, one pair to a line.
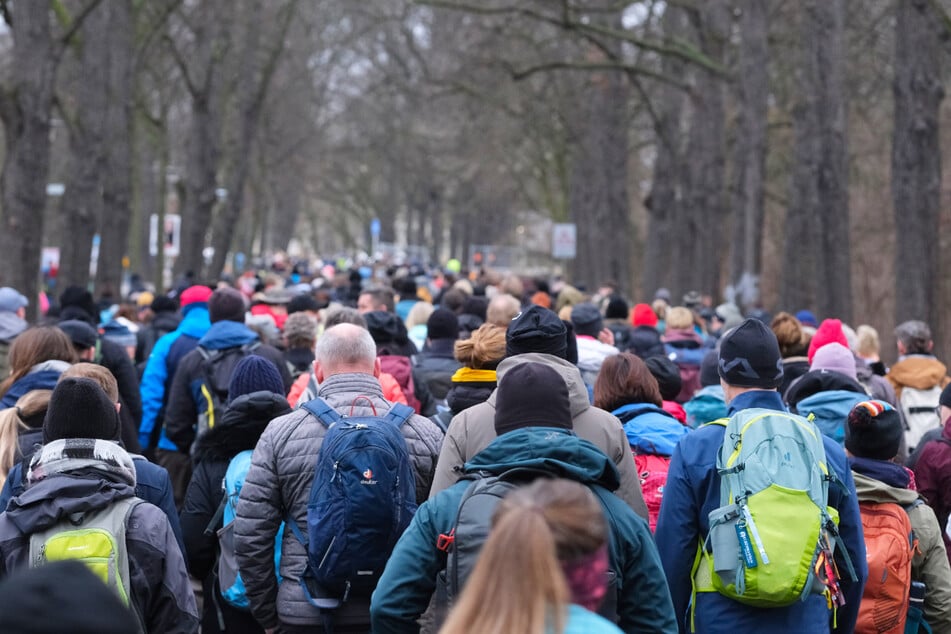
114,358
436,366
820,381
645,342
240,428
162,324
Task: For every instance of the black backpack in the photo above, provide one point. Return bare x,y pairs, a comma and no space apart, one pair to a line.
217,366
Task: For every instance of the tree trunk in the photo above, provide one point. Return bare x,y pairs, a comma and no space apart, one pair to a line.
25,107
665,195
81,204
117,178
749,163
816,267
916,160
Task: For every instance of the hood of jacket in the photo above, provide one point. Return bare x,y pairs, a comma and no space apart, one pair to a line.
918,371
817,381
241,425
871,490
227,334
71,476
462,396
556,451
42,376
11,326
577,392
166,321
650,429
195,322
707,405
683,338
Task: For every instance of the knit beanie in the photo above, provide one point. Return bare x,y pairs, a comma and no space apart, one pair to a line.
874,430
163,304
531,395
749,357
62,596
536,329
667,375
442,324
708,369
587,320
617,308
76,297
254,374
79,408
644,315
194,295
226,304
836,358
806,318
829,331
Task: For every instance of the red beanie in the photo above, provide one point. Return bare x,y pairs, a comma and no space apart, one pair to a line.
829,331
644,316
194,294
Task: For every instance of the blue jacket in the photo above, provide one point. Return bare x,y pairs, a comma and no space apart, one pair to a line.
152,484
44,378
409,579
693,490
158,373
649,429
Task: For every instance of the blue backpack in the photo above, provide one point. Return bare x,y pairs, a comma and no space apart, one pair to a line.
829,410
362,499
229,579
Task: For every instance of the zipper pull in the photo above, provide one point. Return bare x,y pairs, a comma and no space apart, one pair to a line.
334,475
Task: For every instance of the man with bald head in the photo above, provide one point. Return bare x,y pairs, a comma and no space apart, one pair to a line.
278,484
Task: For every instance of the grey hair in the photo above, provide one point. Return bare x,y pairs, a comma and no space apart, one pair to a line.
345,346
915,336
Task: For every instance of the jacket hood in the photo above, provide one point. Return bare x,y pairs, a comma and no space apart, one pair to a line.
196,322
577,392
918,371
11,326
227,334
871,490
650,429
556,451
165,321
42,379
683,338
241,425
462,396
817,381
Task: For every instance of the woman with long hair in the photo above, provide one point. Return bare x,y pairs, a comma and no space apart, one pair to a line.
21,428
626,388
543,568
37,357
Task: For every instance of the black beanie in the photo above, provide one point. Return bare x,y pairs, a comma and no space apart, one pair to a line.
667,375
749,357
708,369
442,324
536,329
531,395
79,408
62,596
384,327
874,430
226,304
617,308
254,374
80,301
587,319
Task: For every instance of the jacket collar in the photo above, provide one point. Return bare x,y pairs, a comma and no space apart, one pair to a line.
765,399
227,334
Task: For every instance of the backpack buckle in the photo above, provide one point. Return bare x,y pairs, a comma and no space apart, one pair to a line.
444,542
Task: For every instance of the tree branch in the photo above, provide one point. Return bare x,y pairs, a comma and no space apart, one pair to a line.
146,40
72,25
519,74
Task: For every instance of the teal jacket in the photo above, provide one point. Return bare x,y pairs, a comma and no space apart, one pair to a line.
408,582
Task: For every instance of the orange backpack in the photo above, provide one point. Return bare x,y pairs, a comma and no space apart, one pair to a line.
890,544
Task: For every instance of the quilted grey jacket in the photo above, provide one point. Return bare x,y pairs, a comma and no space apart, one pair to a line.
278,486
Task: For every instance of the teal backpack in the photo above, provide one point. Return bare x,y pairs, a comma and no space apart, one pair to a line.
771,541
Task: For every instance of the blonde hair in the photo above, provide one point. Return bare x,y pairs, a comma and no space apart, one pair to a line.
11,424
679,318
660,307
519,572
483,350
419,314
97,373
868,345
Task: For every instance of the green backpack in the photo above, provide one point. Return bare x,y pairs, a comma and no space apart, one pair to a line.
96,538
771,541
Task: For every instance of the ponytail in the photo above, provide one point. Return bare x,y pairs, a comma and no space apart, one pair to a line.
10,426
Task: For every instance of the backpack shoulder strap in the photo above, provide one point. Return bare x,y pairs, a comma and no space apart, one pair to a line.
322,410
251,347
399,414
722,422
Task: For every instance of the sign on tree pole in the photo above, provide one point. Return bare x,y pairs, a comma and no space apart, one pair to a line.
564,241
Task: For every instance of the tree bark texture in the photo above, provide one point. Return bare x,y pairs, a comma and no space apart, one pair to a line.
25,108
916,160
816,267
117,178
749,159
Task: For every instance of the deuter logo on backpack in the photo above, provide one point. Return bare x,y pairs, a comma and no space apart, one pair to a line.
362,499
772,540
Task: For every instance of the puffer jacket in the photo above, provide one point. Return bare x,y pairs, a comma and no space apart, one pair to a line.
77,480
436,366
409,579
278,486
473,429
933,477
930,562
239,430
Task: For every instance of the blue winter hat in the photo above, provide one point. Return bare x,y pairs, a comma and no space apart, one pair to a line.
806,318
254,374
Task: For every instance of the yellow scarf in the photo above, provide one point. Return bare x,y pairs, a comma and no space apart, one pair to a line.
470,375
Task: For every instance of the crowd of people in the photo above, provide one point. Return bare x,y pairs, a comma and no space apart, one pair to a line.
394,451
